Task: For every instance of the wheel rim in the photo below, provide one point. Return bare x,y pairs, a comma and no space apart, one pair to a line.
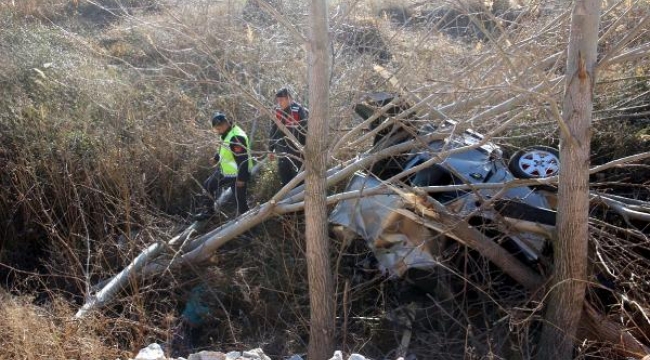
539,163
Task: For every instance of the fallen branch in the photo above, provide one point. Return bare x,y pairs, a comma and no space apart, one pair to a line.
598,327
119,281
458,228
290,199
201,249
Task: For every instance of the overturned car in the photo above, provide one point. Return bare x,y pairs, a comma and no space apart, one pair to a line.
465,176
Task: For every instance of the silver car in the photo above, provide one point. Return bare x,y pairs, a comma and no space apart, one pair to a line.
520,218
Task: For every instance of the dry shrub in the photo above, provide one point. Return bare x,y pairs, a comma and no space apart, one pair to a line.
104,148
34,9
363,39
75,13
30,332
87,161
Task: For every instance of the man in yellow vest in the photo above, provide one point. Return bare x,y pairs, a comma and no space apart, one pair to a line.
234,165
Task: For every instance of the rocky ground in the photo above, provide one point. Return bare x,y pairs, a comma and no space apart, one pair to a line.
156,352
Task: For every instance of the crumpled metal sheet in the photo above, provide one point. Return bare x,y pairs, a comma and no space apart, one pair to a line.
398,242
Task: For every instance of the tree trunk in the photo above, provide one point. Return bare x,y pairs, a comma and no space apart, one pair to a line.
566,298
321,288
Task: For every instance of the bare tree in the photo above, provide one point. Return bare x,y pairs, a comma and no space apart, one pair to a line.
321,289
566,298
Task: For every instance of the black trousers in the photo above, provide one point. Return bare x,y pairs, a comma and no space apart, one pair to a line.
288,168
217,182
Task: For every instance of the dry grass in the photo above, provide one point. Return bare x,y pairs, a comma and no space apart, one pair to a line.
35,9
32,332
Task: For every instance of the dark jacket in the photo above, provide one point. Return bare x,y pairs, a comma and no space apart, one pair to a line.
238,146
294,118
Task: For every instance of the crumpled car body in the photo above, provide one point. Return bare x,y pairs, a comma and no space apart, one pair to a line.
520,218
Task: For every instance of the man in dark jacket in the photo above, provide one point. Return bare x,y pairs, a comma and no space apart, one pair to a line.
234,165
294,117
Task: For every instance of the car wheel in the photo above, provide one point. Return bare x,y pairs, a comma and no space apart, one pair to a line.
535,162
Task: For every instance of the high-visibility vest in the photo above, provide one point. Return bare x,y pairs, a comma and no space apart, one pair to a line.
226,156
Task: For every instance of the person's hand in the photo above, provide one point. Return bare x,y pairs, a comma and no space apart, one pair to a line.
271,156
239,183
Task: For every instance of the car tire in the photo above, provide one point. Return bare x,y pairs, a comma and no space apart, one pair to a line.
535,162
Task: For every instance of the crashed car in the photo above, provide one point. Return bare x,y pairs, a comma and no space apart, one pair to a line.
519,218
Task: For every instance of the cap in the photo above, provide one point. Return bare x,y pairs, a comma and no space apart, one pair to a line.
218,117
284,92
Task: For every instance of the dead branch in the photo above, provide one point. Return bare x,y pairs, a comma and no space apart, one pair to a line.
598,327
298,36
290,199
147,256
458,228
611,56
201,249
119,281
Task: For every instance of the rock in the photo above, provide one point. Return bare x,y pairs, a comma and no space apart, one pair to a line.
151,352
208,355
256,354
155,352
357,357
233,355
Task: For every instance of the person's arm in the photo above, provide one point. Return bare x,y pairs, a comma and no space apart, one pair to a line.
273,136
304,115
215,159
238,147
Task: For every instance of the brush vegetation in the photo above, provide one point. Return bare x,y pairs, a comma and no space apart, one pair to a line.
104,142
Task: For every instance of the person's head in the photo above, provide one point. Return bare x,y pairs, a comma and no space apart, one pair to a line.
220,122
283,98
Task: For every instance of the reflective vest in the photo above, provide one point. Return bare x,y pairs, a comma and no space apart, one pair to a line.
227,158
